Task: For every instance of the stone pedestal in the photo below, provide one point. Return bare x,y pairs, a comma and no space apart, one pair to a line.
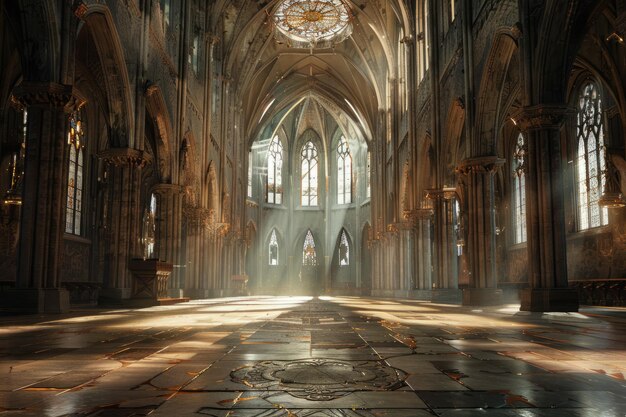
35,301
482,297
150,278
555,299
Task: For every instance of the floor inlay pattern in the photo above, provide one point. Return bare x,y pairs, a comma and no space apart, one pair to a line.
320,379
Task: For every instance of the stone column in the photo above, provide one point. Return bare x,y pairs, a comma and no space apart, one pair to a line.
38,288
445,285
478,178
123,242
545,215
169,222
422,251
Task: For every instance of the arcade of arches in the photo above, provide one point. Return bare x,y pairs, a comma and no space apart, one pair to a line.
336,208
445,151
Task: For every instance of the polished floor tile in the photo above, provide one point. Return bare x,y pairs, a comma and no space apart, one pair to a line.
322,357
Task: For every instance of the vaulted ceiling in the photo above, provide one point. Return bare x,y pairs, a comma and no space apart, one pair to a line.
269,75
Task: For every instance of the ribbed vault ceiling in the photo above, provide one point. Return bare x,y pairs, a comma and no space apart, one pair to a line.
265,70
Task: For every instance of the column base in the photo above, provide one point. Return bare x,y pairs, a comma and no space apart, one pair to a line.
35,301
482,297
546,300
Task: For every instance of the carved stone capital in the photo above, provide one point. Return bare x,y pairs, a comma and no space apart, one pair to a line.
49,95
120,157
542,116
482,165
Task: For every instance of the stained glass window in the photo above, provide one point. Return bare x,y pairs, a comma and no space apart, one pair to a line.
274,172
344,249
312,21
519,190
273,248
590,162
309,255
309,164
75,139
344,172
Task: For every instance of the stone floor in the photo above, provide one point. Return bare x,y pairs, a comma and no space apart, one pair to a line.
303,357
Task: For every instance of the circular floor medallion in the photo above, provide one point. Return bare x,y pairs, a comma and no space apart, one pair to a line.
320,379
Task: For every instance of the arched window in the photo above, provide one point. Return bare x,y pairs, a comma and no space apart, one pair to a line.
590,163
75,138
368,175
309,255
149,227
344,249
273,249
249,194
194,54
309,162
519,190
344,172
274,172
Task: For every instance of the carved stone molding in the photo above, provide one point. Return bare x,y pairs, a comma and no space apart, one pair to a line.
543,116
49,95
168,189
120,157
446,193
483,165
413,217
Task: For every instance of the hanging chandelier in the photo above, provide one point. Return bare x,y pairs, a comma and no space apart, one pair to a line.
312,23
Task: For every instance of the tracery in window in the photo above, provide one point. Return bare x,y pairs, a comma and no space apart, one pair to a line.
273,249
309,255
519,190
344,172
274,172
308,23
590,163
344,249
75,139
309,162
